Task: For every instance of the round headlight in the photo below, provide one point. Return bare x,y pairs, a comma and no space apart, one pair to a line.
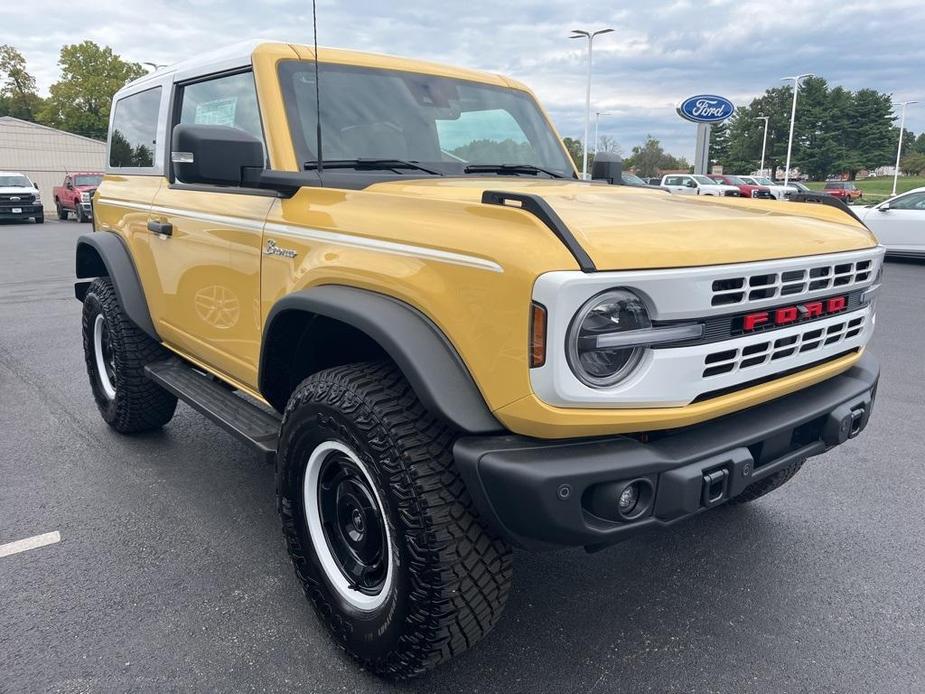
591,360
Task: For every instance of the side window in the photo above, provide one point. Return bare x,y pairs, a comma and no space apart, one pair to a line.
134,130
230,100
673,181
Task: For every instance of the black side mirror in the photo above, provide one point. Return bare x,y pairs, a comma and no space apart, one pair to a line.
35,185
215,154
607,167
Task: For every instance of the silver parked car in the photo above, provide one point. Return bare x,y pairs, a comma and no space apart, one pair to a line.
899,223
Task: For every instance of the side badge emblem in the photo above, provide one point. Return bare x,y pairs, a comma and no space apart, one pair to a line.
273,249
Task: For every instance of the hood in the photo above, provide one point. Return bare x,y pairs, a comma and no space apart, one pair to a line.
25,190
86,189
722,186
624,227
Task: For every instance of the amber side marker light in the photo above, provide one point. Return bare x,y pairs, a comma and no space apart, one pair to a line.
537,335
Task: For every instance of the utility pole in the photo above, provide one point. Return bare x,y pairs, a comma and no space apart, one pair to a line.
581,34
764,143
899,148
793,115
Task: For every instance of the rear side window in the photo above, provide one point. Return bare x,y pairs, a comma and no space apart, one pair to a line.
230,100
134,130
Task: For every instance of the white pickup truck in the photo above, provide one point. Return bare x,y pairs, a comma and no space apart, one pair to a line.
694,184
19,198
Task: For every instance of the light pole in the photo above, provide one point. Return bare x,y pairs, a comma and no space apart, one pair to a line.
793,115
597,121
764,142
580,34
899,148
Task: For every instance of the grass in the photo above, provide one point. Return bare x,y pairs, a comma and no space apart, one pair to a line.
877,189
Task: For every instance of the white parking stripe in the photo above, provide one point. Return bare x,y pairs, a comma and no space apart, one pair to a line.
29,543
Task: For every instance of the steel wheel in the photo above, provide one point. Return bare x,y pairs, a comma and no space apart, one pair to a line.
347,526
105,357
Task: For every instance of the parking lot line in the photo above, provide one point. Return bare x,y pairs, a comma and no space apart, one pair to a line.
33,542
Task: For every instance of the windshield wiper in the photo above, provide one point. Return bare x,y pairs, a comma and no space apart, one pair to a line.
370,164
510,169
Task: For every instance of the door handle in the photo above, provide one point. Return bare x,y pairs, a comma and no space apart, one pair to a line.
164,228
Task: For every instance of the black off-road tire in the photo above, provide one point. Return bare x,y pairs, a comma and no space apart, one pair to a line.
62,213
451,575
138,404
768,484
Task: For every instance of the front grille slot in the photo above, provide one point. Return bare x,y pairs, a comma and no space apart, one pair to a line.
741,358
730,291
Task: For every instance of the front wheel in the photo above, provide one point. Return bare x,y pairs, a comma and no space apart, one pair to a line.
39,220
379,524
79,213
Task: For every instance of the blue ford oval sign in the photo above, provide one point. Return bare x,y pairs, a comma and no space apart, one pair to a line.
706,108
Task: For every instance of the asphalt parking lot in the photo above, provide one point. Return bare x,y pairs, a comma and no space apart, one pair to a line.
171,573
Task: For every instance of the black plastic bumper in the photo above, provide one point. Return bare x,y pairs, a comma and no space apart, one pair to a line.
539,494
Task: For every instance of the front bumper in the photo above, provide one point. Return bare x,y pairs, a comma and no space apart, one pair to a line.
25,211
538,494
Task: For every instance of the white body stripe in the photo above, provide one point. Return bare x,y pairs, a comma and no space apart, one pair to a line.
334,237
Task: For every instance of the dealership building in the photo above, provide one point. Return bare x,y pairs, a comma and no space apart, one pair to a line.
46,154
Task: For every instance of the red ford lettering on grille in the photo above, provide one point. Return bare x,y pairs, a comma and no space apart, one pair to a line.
793,314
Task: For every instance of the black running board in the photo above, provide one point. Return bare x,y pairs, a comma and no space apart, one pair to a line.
234,414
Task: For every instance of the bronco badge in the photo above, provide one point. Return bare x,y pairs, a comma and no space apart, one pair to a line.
273,249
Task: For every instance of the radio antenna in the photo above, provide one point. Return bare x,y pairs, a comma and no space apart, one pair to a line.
317,89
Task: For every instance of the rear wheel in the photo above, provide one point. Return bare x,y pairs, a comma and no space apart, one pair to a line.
62,213
768,484
116,352
380,526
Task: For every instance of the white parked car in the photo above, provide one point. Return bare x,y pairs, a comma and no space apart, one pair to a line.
693,184
778,191
899,223
19,198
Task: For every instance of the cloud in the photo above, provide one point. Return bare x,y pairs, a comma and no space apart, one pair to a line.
659,53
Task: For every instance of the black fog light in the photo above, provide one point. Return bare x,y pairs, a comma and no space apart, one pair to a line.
621,501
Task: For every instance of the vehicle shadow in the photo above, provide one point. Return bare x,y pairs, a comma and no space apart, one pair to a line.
656,608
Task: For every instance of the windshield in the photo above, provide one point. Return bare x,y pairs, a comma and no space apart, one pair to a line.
633,179
91,180
16,181
704,181
441,123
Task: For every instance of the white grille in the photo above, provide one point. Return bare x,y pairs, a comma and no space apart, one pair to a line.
744,289
772,350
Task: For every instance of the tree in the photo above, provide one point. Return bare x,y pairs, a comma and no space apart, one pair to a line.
649,159
919,146
81,99
18,96
574,149
912,164
606,143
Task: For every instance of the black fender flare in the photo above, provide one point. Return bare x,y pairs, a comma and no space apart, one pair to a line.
117,264
418,347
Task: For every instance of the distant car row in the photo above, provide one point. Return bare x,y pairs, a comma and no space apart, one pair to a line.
724,185
21,201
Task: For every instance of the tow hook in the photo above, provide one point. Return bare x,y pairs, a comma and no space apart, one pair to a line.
715,486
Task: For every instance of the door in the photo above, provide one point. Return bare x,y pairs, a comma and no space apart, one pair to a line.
900,223
206,243
681,185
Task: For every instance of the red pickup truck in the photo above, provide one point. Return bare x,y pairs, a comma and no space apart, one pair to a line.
75,194
846,192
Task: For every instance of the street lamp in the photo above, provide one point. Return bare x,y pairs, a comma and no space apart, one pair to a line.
764,142
154,66
597,121
580,34
899,148
793,115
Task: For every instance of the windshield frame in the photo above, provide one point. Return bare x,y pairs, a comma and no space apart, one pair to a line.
305,155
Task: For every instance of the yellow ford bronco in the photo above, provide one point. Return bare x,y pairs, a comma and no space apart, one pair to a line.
386,276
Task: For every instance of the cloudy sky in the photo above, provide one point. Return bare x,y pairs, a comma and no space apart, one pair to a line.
660,52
